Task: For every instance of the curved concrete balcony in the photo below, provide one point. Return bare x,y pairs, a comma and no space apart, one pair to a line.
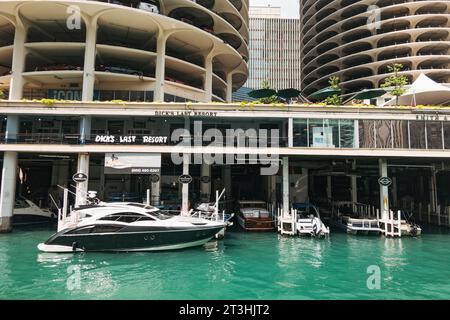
127,39
374,44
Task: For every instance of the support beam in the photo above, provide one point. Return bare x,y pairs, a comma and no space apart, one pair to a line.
185,186
89,61
9,177
286,208
329,188
227,180
208,79
205,186
82,187
18,63
160,72
384,190
354,185
156,193
230,87
433,191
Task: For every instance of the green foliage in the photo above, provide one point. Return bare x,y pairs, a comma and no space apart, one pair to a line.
395,81
334,82
333,100
265,84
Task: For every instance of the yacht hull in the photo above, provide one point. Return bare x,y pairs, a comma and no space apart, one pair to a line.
143,240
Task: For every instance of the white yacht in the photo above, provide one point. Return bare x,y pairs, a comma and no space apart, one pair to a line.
28,213
308,220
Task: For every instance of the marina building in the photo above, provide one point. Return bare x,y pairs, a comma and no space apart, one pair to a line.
102,109
358,40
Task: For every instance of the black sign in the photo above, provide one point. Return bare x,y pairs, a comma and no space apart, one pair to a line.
80,177
205,179
154,178
185,179
385,181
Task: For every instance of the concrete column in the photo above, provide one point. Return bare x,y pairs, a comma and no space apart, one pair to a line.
433,191
286,208
9,176
160,72
185,186
82,187
205,187
89,61
85,128
227,180
18,63
155,196
384,190
394,192
208,79
354,185
8,190
329,188
230,87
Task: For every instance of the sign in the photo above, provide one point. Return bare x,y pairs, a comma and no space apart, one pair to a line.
205,179
154,178
385,181
80,177
132,139
185,179
133,163
74,95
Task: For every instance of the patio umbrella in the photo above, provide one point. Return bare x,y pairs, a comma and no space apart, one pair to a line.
369,94
325,93
262,93
288,93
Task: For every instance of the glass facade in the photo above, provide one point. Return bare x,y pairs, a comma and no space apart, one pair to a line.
323,133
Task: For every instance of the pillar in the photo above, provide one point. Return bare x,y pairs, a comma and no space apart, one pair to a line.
18,63
82,187
205,186
395,192
384,190
227,181
155,197
354,184
286,186
433,191
185,186
329,188
89,61
160,71
208,79
230,87
8,190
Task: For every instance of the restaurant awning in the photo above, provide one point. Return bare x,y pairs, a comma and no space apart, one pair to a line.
325,93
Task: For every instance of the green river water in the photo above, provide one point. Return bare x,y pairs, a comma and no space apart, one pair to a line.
242,266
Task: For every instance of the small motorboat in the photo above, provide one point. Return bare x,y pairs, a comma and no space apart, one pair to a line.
128,227
355,218
27,213
308,220
254,216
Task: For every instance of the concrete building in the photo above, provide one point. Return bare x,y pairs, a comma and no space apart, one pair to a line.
266,12
171,50
358,40
274,50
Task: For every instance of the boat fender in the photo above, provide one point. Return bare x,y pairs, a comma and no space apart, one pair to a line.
74,246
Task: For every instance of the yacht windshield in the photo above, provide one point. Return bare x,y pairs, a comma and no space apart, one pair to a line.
161,215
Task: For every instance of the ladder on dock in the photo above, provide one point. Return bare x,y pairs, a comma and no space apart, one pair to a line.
287,222
391,227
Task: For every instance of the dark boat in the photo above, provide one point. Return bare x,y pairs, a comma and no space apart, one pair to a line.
254,216
129,227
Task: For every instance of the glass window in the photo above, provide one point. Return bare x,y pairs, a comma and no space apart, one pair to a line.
300,132
434,134
447,135
316,134
137,96
106,95
122,95
331,133
347,129
149,96
417,133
